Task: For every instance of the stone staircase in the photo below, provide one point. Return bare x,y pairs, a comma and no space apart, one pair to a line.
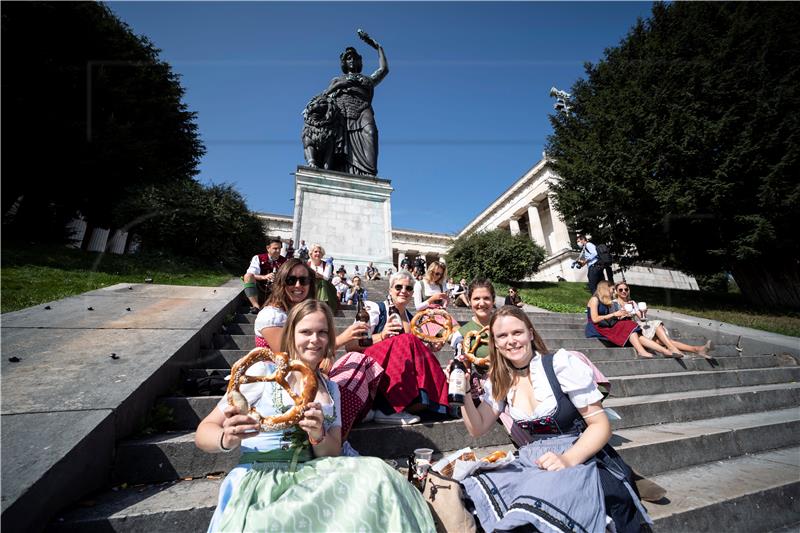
723,438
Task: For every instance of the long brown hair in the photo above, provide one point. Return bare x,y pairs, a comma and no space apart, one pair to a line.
298,313
279,298
501,373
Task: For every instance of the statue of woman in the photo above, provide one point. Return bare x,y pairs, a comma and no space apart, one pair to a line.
352,93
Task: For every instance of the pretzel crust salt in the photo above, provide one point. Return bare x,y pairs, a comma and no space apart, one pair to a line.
472,340
429,316
282,368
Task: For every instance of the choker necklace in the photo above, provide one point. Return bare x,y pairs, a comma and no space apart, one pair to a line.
521,368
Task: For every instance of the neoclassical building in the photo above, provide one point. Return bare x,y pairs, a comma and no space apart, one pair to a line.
526,207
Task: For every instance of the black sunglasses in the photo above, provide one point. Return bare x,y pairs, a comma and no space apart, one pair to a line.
621,289
291,280
409,288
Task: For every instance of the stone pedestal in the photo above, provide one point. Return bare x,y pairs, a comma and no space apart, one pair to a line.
350,216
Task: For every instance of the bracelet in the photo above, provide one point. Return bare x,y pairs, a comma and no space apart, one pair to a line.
222,448
322,438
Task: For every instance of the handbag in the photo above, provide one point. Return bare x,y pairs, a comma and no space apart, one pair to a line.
445,498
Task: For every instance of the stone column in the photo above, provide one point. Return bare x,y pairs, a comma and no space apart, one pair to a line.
535,226
400,257
559,228
513,224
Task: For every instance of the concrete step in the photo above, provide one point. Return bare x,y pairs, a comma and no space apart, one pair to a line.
175,507
650,450
656,449
637,411
614,369
649,384
756,492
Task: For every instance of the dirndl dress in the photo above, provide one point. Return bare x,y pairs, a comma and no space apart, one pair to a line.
585,497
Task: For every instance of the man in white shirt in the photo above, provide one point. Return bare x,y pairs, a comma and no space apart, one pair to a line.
261,273
341,283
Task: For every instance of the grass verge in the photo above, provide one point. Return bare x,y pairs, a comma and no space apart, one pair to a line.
569,297
44,273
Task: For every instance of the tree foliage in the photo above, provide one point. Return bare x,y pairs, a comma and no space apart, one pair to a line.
90,116
682,144
496,255
211,223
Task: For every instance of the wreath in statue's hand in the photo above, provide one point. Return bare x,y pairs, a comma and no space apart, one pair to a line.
282,368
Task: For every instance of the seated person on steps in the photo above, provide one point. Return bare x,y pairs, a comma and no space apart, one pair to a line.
261,273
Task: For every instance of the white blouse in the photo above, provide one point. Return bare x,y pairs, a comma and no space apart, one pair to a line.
430,290
325,269
269,317
574,376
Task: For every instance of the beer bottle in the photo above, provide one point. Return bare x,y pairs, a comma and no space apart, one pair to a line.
457,389
363,316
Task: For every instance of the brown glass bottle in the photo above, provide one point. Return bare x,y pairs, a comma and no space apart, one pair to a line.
363,316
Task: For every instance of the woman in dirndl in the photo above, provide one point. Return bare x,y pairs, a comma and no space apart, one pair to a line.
294,479
323,272
617,327
653,329
566,478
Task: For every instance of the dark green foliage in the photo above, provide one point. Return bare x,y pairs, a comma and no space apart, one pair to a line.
713,282
496,255
210,223
683,145
90,115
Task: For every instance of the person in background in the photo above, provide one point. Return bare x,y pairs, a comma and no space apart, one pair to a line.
654,330
302,252
588,257
323,272
341,283
513,298
289,249
616,326
355,292
460,294
261,273
372,272
431,290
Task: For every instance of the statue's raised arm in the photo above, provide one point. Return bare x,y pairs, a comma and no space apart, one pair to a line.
383,64
340,131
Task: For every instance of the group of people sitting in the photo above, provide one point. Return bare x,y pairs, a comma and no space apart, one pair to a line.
612,315
566,476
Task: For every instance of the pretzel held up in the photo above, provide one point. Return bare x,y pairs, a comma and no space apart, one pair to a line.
440,317
473,340
283,366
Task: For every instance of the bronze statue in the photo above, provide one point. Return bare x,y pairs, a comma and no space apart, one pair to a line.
340,131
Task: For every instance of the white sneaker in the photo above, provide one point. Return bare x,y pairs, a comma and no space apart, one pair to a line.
396,419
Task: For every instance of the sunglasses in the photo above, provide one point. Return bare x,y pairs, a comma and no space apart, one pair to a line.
291,280
409,288
623,290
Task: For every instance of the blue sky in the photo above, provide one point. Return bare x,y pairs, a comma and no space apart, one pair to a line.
461,115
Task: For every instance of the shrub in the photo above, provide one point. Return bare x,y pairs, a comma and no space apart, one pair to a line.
495,254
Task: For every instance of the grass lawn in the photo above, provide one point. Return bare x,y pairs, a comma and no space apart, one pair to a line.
43,273
567,297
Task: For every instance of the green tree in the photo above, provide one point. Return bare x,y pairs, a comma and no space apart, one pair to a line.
495,254
211,223
90,116
682,145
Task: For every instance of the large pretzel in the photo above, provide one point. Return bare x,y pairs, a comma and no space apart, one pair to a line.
438,316
472,340
282,368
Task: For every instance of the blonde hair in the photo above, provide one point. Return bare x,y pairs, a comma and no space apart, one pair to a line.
501,372
603,292
298,313
428,275
314,247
